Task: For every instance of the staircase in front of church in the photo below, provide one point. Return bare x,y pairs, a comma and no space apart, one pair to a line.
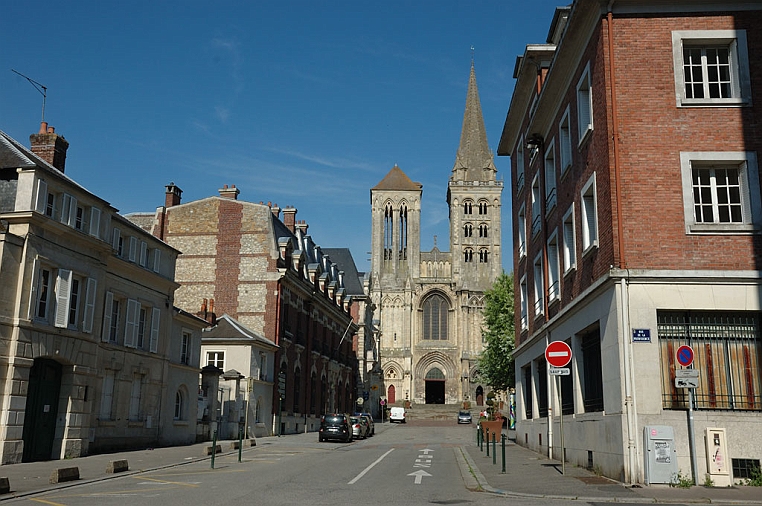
433,412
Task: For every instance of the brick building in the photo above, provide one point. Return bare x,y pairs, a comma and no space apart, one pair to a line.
634,137
95,357
240,259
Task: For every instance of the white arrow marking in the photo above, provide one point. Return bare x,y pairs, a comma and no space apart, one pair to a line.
426,451
419,476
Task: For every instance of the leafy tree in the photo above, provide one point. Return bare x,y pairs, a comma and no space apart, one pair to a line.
496,361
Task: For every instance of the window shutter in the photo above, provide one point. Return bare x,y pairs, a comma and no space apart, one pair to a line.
107,316
156,260
131,323
143,254
95,221
133,249
69,210
42,196
63,298
743,179
116,234
87,321
33,289
155,320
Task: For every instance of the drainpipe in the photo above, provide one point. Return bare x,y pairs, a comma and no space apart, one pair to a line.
630,412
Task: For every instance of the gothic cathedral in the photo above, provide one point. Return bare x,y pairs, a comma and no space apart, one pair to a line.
428,304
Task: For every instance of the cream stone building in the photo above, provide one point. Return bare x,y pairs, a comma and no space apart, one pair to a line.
428,304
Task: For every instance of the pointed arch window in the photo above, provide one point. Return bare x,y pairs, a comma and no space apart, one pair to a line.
435,315
388,232
402,253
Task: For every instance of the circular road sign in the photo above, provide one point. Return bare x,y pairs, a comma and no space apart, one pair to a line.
558,354
685,355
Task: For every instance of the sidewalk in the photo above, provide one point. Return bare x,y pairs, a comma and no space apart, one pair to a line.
529,474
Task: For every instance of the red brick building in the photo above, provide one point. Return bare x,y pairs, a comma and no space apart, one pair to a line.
634,138
241,259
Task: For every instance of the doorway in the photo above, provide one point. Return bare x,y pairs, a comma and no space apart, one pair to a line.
435,386
479,396
41,410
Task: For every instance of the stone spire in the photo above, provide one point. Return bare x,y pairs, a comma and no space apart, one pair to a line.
473,161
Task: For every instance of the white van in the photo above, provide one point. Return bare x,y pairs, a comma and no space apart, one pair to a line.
397,415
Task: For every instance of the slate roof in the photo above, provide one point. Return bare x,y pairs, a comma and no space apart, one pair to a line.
229,329
343,258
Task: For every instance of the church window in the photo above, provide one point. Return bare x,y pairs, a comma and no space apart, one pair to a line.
468,230
482,208
483,230
388,231
435,374
468,207
483,254
435,313
468,255
402,253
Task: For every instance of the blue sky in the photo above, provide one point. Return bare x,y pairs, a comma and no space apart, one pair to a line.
300,103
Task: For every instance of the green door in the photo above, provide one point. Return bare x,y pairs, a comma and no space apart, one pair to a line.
41,409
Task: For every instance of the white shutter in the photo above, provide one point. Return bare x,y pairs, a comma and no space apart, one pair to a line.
42,196
63,298
95,221
131,323
143,254
87,320
33,289
133,248
69,210
116,234
107,316
155,321
156,260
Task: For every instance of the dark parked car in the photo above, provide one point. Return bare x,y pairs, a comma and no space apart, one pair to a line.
370,422
464,416
335,426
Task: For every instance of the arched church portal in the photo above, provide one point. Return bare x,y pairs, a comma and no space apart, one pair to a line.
479,396
435,386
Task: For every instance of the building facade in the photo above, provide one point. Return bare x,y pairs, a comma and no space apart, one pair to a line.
637,220
428,304
87,322
239,259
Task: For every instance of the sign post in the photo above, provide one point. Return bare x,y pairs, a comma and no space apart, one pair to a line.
689,380
559,354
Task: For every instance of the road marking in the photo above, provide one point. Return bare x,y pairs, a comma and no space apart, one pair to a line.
426,452
419,476
356,478
47,502
166,482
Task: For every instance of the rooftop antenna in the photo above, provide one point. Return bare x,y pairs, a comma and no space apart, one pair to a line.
37,86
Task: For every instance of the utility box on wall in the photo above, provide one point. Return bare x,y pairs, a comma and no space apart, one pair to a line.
660,454
717,458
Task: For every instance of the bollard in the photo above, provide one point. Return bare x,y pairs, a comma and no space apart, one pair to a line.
214,446
478,432
494,450
240,441
481,440
503,438
487,442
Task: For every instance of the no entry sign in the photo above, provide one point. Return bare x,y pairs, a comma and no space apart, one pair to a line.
685,355
558,354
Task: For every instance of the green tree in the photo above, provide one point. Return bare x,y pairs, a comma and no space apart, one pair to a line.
496,361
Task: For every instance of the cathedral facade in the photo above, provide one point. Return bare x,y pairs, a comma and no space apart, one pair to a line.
428,304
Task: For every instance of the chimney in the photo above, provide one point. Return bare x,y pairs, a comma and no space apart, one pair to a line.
49,146
229,193
302,225
289,218
172,196
276,210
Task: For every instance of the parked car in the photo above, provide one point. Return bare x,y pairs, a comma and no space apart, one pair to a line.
335,426
464,416
370,422
397,415
360,427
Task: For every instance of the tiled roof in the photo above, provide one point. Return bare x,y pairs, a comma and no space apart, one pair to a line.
397,180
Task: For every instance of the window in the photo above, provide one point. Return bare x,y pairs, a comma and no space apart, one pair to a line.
79,220
137,386
95,221
111,314
74,302
153,346
584,105
483,256
133,251
131,325
570,241
711,68
42,299
468,255
522,231
554,288
435,314
567,394
542,387
524,304
141,340
468,230
539,302
592,375
216,358
589,216
528,397
143,254
69,210
483,208
117,243
468,207
185,348
564,141
520,164
179,406
156,260
550,178
107,396
262,366
721,192
727,349
483,228
536,217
